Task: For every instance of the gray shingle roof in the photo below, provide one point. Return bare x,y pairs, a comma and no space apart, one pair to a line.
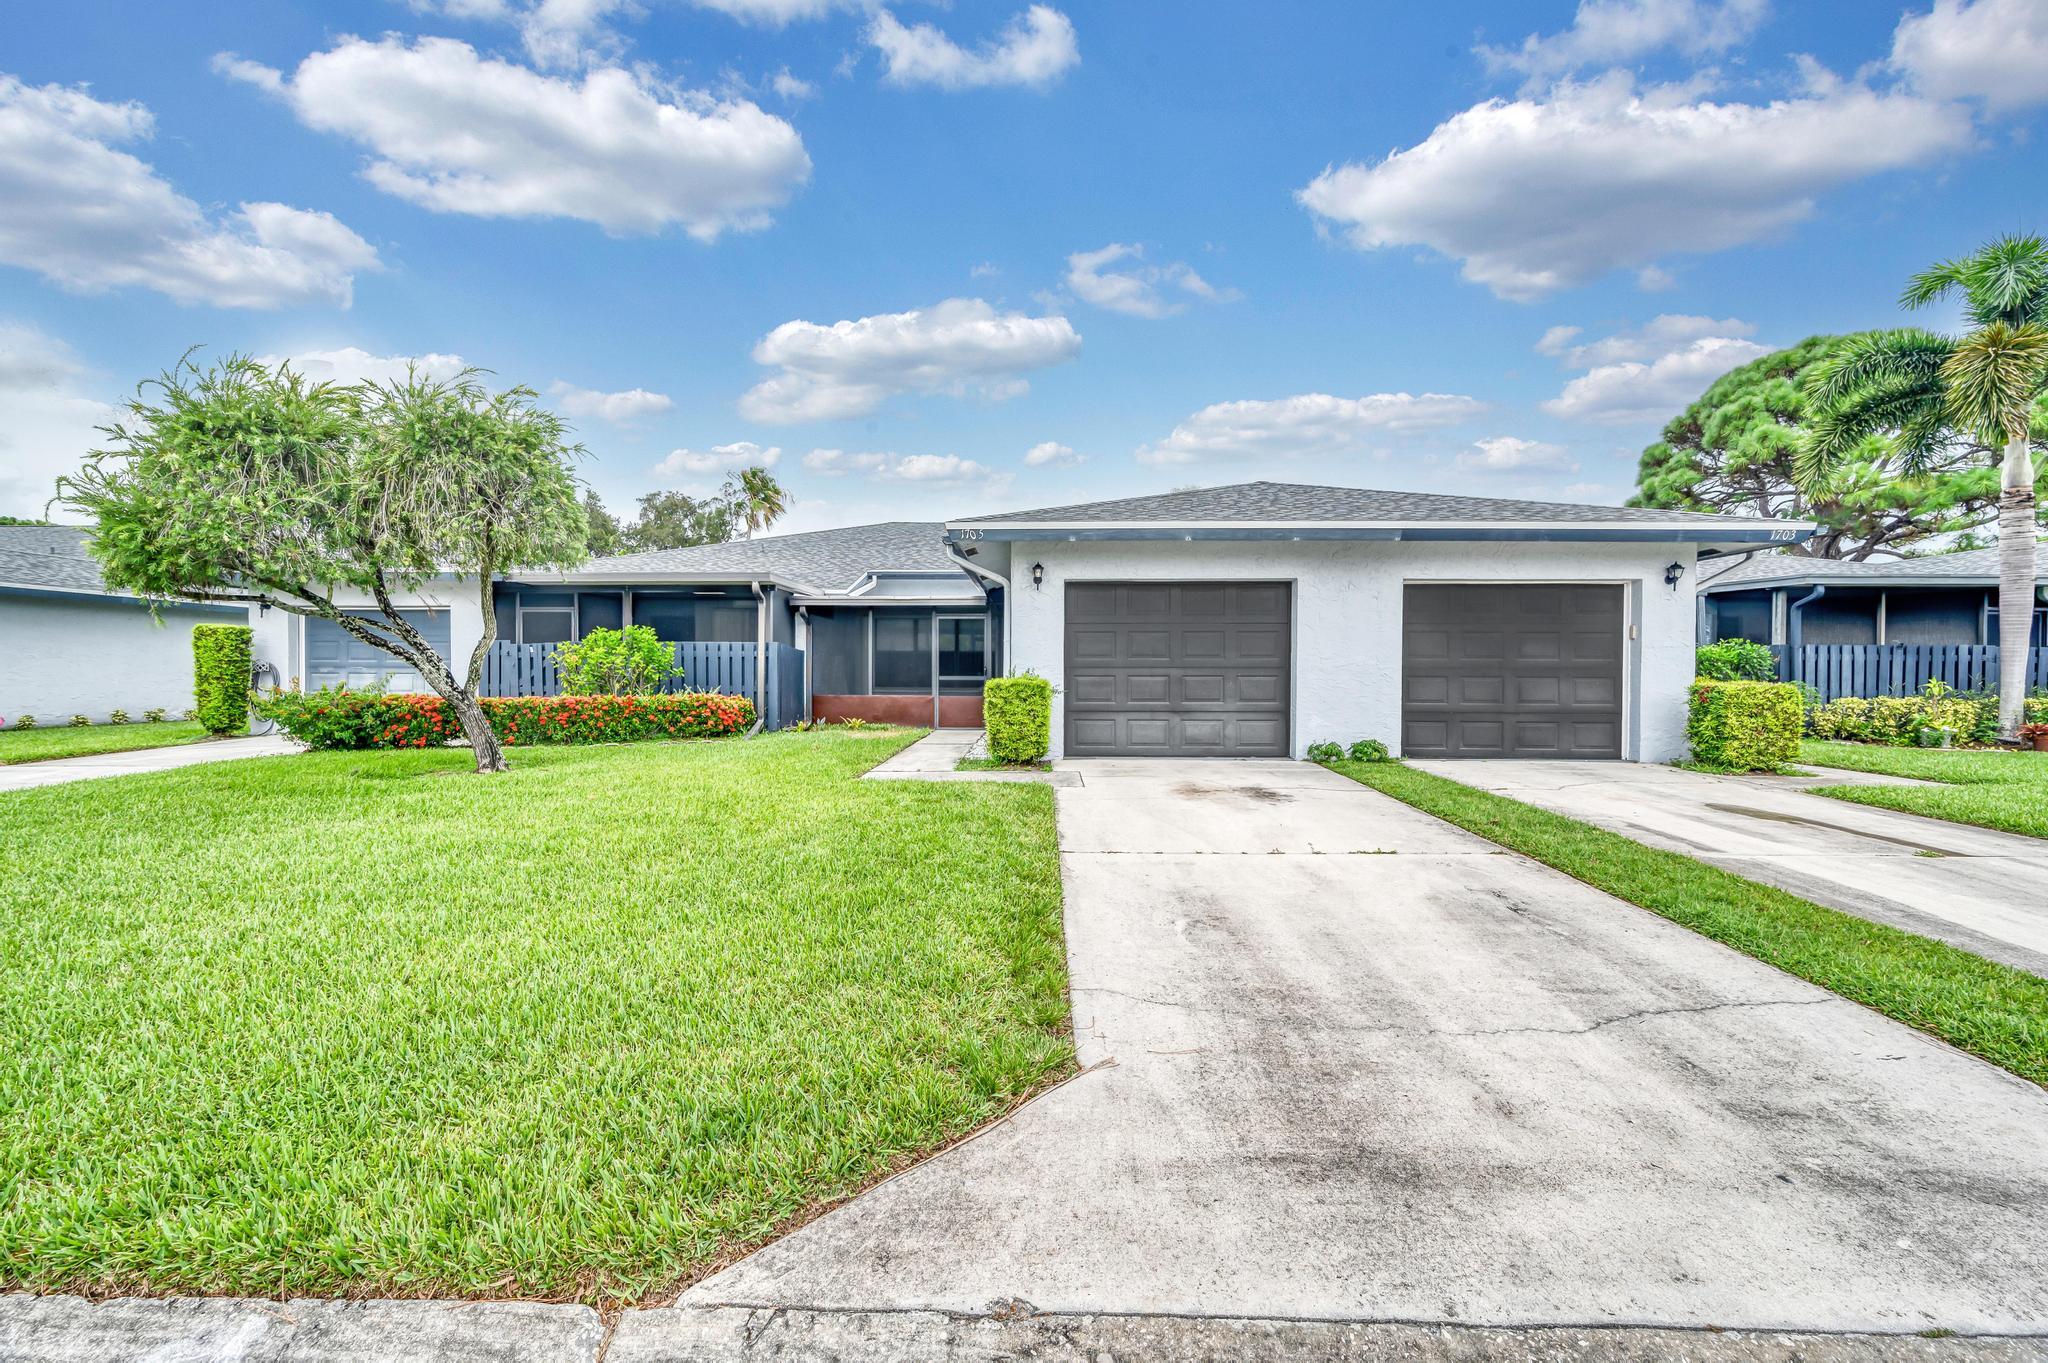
1974,565
1305,502
830,560
48,556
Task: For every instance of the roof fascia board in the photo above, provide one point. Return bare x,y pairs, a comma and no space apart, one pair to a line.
116,598
1803,580
654,578
1551,531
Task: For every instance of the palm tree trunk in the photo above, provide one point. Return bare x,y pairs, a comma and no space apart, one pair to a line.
2016,554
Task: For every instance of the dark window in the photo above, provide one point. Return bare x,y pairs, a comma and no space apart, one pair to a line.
547,625
547,598
673,618
599,610
903,653
963,652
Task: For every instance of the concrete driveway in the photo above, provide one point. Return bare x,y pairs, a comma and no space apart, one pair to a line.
1348,1063
1981,890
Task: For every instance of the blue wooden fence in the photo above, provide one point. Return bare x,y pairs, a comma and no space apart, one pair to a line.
529,670
1899,669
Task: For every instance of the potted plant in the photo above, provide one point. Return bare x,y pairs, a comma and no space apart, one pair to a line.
1935,736
2034,736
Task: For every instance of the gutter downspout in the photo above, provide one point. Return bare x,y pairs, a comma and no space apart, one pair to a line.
760,658
991,575
1795,630
803,617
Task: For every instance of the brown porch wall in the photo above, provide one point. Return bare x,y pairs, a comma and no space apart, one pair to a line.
955,712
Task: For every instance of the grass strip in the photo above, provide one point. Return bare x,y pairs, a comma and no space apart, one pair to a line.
1991,788
1990,1010
44,745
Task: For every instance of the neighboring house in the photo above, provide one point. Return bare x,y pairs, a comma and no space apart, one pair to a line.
1939,599
1254,620
69,646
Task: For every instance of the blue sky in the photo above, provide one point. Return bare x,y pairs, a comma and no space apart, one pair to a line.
955,259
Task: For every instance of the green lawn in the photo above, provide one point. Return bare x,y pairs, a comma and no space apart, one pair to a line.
368,1023
1992,787
1991,1010
40,745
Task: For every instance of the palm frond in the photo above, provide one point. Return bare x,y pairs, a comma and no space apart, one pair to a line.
1907,353
1935,282
1993,378
2009,281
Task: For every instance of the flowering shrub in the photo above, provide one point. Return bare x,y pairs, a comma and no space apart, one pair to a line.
340,718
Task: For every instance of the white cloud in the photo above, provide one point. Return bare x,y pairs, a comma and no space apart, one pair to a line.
620,409
1606,31
848,368
1660,336
1993,50
1633,391
352,365
741,454
50,418
88,216
555,32
900,468
1051,454
1512,454
456,132
792,88
1035,50
1307,424
1137,288
1545,192
777,12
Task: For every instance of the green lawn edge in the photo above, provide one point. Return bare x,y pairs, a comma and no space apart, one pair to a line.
21,746
1997,789
1993,1011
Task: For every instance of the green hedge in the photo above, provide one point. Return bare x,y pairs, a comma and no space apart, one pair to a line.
340,718
1017,712
1745,725
1898,720
1735,660
222,659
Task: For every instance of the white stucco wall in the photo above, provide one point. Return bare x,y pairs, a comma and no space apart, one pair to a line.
281,636
91,655
1347,617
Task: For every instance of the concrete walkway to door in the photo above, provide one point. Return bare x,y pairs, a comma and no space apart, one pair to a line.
1349,1063
56,771
1981,890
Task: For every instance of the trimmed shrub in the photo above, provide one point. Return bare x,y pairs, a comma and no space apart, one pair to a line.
1744,725
1325,752
222,661
1369,750
616,662
1898,720
1017,712
340,718
1735,660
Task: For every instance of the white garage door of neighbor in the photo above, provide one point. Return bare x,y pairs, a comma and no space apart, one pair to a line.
335,657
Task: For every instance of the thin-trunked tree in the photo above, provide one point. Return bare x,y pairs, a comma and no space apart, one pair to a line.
241,483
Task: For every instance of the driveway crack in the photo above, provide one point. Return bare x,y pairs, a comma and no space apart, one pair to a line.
1395,1028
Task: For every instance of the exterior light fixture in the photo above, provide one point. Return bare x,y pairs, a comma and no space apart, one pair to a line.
1037,576
1672,574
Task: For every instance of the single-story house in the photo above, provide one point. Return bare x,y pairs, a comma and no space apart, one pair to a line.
69,646
1790,599
1241,621
1256,619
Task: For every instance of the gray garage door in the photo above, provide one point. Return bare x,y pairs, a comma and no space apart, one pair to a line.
335,657
1506,670
1177,669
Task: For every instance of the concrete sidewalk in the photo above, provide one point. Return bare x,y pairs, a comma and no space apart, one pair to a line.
937,756
27,775
1975,888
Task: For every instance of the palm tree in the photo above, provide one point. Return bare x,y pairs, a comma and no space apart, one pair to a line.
758,501
1927,392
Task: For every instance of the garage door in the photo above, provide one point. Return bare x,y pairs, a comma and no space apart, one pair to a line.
335,657
1177,669
1507,670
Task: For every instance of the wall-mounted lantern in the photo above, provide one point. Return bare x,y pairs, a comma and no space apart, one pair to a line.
1037,576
